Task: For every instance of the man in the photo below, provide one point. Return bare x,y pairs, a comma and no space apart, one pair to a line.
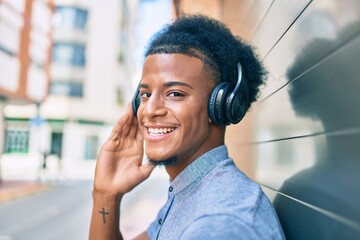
197,78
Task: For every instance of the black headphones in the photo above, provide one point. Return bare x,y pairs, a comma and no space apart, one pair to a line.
227,104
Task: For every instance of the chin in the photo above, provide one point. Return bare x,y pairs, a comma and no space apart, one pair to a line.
158,154
158,157
165,162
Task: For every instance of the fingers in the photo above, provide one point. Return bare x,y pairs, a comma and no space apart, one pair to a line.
128,125
118,128
123,125
135,129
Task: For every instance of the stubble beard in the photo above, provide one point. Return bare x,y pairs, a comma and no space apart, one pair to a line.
167,162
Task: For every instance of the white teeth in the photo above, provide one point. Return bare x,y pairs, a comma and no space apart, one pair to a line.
160,131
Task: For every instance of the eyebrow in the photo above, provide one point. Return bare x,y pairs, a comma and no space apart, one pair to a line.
169,84
143,85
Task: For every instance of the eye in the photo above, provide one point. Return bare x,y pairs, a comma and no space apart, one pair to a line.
175,94
145,95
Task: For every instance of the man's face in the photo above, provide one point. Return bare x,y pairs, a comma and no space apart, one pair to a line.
173,112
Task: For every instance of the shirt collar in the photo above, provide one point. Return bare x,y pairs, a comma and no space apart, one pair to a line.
198,168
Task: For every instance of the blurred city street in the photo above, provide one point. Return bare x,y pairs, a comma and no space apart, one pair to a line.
67,71
62,209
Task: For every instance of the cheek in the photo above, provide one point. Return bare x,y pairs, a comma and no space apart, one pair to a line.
202,109
195,117
192,111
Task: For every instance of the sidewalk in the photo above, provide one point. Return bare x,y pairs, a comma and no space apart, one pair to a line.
13,189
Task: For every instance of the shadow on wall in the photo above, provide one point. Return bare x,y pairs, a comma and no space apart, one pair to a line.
329,191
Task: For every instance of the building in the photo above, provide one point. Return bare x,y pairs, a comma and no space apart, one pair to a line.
25,44
89,85
96,61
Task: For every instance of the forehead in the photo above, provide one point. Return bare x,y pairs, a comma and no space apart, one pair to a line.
172,66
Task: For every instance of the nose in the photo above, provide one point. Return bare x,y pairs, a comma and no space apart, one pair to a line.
154,106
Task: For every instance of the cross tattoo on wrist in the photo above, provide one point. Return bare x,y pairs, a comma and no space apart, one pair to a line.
104,213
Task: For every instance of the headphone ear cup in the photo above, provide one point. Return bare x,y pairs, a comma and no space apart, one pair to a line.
217,101
235,107
136,102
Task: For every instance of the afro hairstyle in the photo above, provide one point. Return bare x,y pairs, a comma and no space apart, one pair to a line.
213,43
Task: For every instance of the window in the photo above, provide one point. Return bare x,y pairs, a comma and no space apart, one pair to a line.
7,51
91,147
16,141
66,88
69,54
56,143
68,17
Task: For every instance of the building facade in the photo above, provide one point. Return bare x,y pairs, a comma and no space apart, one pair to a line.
25,45
88,90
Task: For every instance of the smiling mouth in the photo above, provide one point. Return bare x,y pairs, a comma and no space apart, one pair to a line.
160,131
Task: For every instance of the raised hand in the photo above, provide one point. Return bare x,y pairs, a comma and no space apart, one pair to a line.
119,165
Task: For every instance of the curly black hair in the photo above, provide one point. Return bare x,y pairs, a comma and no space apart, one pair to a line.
212,42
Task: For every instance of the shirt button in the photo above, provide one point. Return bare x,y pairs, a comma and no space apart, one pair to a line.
160,221
171,189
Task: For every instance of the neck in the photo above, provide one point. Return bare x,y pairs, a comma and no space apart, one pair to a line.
182,161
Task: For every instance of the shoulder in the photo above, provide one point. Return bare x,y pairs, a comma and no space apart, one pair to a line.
228,226
229,203
228,180
221,226
226,191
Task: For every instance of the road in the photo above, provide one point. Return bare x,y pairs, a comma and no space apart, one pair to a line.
64,211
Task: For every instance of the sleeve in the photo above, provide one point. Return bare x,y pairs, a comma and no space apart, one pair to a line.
219,227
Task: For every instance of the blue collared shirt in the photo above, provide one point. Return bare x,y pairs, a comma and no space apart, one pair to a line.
213,199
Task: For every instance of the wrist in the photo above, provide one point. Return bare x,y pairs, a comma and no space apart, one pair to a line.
105,216
106,196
